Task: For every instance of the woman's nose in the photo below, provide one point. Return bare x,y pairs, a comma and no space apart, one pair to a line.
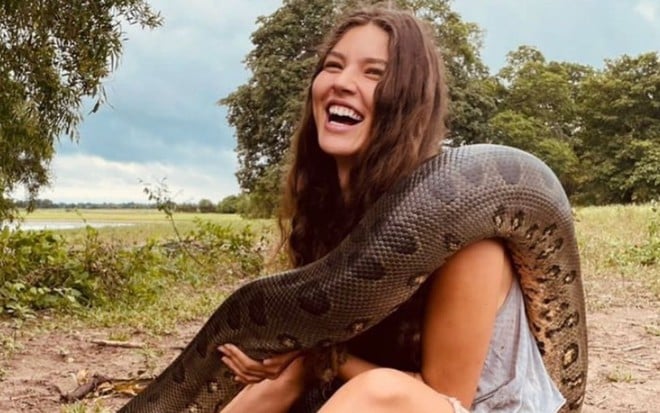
345,81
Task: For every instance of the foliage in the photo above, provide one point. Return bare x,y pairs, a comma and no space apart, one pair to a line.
620,130
265,110
41,270
54,54
206,206
537,111
647,252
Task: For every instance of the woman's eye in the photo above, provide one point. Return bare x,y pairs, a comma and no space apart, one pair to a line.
375,72
332,65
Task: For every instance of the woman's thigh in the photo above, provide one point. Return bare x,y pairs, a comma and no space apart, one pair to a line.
385,390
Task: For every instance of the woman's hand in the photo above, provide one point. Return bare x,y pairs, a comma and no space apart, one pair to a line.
248,370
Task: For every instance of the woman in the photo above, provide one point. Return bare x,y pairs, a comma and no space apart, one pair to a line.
375,110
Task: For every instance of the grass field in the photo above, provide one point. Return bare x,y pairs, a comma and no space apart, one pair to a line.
620,254
142,223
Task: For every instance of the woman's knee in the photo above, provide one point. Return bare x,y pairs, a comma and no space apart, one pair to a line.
380,386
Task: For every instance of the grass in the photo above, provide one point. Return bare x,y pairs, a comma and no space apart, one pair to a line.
143,223
618,246
620,250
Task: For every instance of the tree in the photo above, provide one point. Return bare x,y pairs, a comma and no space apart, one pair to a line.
537,111
205,206
54,54
264,111
620,111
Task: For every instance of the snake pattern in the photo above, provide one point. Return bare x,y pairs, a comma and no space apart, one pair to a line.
458,197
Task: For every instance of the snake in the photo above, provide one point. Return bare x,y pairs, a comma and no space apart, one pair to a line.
459,196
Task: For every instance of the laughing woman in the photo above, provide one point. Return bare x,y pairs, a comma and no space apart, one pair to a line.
375,110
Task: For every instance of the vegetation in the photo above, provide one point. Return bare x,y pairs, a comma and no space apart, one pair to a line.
54,54
599,129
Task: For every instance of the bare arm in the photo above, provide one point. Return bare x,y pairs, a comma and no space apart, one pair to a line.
465,296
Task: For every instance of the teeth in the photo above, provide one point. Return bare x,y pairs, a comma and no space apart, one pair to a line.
344,111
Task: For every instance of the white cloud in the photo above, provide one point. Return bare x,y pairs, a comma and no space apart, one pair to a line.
648,9
89,178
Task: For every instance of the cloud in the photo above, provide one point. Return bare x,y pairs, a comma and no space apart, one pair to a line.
90,178
647,9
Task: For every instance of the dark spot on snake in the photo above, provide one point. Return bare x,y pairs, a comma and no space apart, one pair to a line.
404,242
417,280
549,230
546,253
549,300
325,343
153,397
452,243
358,326
368,267
571,321
212,386
518,220
565,306
509,169
577,403
179,373
541,346
531,232
574,381
570,277
474,173
498,216
313,299
289,341
234,315
553,271
570,356
202,343
257,308
446,192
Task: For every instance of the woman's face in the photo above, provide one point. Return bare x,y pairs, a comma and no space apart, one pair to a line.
343,92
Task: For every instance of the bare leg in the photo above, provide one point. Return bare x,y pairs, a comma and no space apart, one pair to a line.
385,390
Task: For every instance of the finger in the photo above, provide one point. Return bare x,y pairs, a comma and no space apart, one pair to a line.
239,375
281,361
244,363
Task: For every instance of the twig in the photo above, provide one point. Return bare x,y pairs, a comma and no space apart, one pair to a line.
83,390
123,344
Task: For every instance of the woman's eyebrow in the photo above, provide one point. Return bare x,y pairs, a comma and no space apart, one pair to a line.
365,60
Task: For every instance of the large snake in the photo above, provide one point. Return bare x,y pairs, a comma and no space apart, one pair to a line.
460,196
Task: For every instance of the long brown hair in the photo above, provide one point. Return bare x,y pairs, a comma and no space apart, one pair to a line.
410,105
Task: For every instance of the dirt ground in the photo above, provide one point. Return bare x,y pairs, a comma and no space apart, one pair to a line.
624,353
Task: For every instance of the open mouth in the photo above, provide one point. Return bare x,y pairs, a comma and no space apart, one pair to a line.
344,115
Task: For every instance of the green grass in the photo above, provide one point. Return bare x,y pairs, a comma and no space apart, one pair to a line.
618,246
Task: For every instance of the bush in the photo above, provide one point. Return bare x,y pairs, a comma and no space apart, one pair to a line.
40,270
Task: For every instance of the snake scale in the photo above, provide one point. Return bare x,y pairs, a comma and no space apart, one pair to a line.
460,196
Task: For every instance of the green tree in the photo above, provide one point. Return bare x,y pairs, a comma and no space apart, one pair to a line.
538,113
53,54
205,206
264,111
620,111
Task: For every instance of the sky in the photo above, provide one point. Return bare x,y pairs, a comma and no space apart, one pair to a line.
163,124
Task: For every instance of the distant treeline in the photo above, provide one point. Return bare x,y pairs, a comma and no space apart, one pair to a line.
226,206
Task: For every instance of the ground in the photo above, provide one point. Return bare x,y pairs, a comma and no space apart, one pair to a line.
624,356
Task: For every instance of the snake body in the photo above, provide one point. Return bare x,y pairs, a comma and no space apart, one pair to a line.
458,197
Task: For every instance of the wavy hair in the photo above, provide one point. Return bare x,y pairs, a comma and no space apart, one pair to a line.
410,111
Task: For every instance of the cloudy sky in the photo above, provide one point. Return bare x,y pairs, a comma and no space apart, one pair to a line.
163,121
